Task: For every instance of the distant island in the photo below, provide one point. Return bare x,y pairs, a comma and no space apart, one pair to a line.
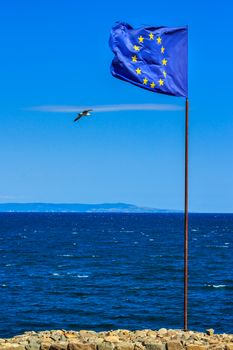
78,208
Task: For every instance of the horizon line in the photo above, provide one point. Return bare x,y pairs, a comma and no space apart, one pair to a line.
150,209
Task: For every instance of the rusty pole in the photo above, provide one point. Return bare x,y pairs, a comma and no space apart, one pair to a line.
186,220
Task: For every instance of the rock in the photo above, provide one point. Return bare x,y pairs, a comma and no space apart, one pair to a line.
45,346
98,341
174,345
74,346
140,333
124,346
186,336
112,338
45,339
155,346
69,335
196,337
152,334
210,331
219,346
23,343
105,346
162,331
138,346
85,333
172,332
229,347
124,333
63,338
33,343
33,346
58,346
213,341
80,346
55,337
196,347
9,346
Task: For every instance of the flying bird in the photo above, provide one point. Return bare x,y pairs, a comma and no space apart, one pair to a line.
85,113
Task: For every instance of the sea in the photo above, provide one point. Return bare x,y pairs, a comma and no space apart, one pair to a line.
108,271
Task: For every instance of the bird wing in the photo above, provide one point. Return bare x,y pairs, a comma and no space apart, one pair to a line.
78,117
87,110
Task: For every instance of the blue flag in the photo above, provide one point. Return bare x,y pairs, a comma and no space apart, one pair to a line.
153,58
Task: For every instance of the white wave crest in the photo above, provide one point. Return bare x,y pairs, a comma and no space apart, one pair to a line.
66,255
82,276
216,285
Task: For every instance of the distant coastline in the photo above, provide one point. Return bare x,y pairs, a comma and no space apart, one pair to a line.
78,208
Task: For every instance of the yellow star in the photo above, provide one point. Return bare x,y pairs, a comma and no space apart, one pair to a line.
141,39
138,71
145,81
159,40
134,58
136,48
152,85
165,74
164,62
151,35
162,49
161,82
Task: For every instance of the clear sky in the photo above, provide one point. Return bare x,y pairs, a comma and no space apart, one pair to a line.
57,53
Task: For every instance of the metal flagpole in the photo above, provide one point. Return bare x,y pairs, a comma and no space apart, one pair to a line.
186,220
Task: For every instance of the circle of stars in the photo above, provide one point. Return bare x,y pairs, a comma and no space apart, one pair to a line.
164,61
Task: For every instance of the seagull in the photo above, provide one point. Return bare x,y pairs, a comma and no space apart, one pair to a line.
83,114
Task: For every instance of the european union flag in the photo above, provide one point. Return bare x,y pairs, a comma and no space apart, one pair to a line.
153,58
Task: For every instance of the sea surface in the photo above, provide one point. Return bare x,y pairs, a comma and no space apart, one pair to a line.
109,271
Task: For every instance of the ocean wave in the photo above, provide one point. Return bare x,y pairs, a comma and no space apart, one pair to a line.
217,246
66,255
216,285
70,274
82,276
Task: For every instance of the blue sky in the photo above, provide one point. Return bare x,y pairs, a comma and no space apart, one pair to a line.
57,53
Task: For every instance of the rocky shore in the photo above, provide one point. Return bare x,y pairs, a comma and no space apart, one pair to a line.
163,339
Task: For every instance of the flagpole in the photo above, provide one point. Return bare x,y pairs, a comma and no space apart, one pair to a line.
186,219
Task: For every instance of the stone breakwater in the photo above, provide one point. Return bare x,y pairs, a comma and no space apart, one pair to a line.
163,339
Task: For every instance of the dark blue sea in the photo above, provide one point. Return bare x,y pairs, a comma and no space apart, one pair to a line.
109,271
